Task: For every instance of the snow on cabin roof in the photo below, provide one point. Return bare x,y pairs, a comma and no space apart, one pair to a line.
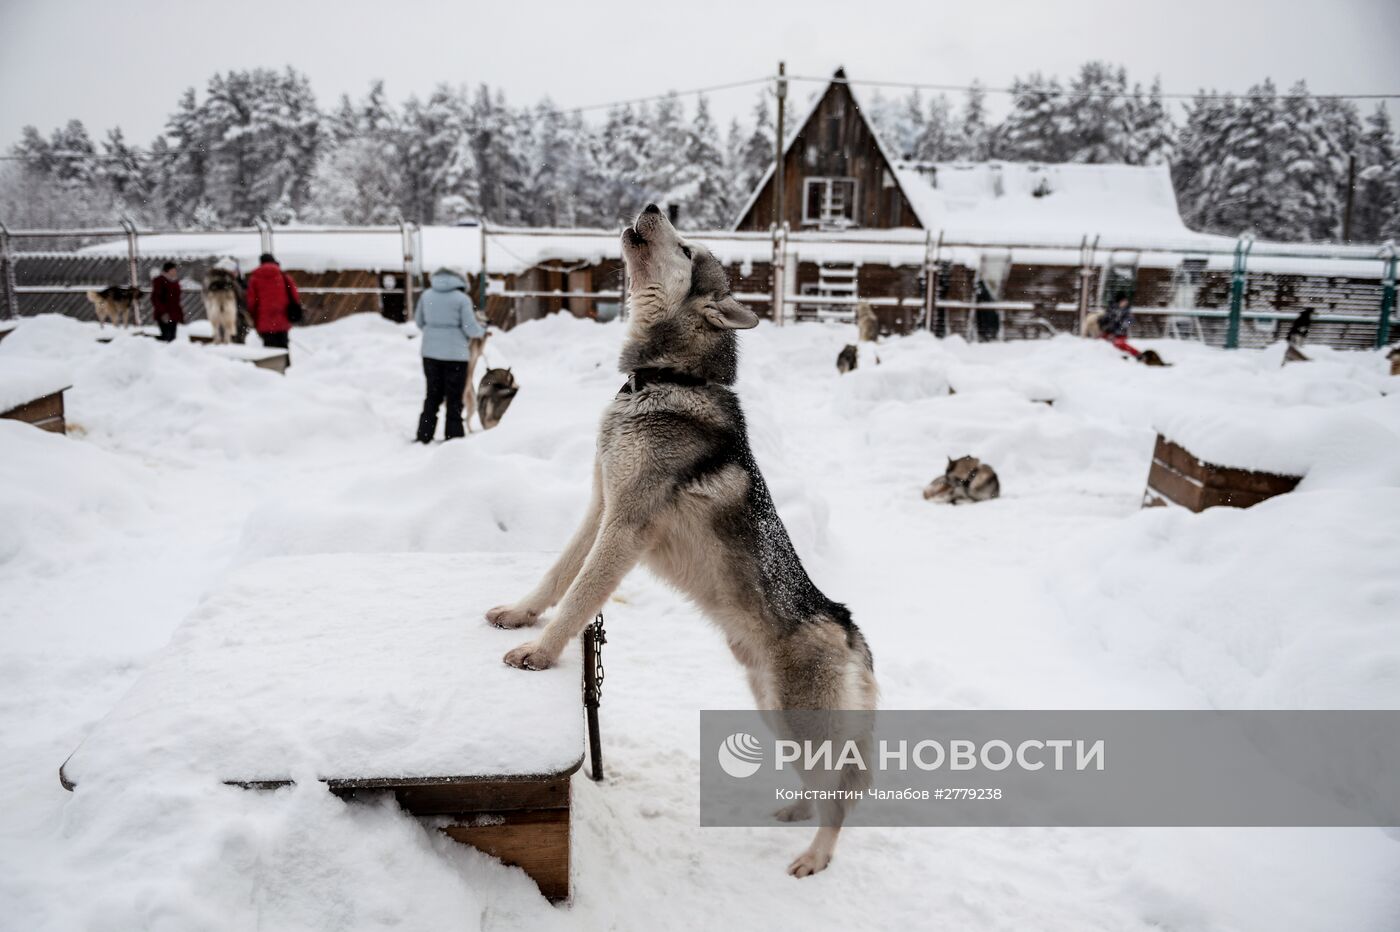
1036,202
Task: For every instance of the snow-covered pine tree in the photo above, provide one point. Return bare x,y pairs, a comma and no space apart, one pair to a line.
910,126
355,184
1098,117
756,153
501,158
1196,170
438,153
1311,164
627,157
1038,128
1376,209
552,178
702,191
125,171
262,131
974,139
1153,135
183,156
670,141
938,140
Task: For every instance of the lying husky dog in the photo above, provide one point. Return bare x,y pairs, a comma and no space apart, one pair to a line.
675,486
967,479
115,305
221,290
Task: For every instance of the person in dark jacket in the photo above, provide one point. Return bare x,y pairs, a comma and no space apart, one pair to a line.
988,318
448,321
1115,323
165,301
270,293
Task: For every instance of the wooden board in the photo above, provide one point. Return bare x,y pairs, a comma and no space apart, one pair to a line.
526,822
1176,475
536,841
276,362
46,413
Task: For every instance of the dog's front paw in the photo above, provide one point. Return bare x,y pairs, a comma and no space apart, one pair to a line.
808,863
530,656
509,616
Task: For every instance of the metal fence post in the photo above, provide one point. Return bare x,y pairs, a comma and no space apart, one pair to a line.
406,236
481,275
1238,279
264,226
1086,272
779,269
931,254
7,274
1387,296
132,255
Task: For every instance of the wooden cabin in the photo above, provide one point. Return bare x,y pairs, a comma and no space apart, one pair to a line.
836,173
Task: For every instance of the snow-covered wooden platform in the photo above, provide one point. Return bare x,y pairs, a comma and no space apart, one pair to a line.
33,392
372,673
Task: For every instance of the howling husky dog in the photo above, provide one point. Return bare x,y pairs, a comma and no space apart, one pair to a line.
675,486
115,305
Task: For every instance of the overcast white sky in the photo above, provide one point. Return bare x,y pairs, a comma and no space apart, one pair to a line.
125,62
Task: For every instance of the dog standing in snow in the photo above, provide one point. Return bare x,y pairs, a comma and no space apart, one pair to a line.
867,331
675,486
115,305
221,292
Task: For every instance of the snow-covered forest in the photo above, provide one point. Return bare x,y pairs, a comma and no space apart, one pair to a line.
258,143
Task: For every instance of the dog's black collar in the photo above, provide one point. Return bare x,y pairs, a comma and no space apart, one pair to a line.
639,379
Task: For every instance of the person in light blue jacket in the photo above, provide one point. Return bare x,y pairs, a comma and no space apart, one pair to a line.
448,321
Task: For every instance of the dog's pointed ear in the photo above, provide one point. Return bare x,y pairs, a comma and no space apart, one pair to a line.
729,314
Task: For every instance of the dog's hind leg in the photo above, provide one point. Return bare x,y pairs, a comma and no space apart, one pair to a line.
828,693
561,575
475,347
616,550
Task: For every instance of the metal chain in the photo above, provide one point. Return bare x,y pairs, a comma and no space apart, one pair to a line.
599,636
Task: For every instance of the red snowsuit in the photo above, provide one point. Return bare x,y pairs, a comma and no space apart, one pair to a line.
268,286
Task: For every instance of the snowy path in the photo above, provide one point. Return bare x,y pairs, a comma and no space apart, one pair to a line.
1060,594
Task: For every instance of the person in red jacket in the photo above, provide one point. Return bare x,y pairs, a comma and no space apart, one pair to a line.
165,301
270,293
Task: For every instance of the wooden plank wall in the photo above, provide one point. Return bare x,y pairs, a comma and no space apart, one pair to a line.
836,141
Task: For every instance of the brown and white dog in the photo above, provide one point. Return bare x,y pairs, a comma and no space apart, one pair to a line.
967,479
115,305
675,487
222,292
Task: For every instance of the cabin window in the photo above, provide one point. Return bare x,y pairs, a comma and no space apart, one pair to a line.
830,202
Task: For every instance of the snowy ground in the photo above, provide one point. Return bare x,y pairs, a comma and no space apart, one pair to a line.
181,467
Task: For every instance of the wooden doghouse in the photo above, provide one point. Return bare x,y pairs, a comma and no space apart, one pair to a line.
373,673
33,392
45,413
1179,476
